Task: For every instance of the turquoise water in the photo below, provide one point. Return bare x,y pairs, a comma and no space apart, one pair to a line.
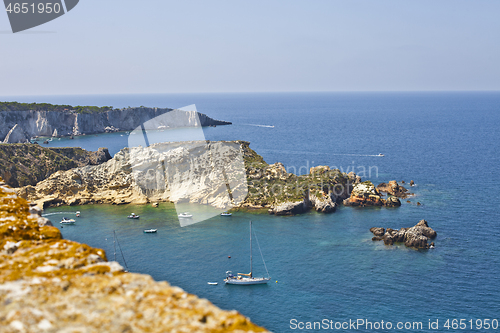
326,266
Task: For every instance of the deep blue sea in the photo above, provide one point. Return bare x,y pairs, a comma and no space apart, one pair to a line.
326,266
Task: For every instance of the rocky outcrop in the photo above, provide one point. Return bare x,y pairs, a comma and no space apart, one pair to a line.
48,284
290,208
415,237
68,123
16,134
394,189
322,202
28,164
365,194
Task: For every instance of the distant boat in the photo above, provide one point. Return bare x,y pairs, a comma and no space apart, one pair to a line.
247,279
133,216
78,214
380,155
185,215
150,231
226,214
212,283
65,220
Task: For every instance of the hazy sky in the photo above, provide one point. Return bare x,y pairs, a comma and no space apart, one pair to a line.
159,46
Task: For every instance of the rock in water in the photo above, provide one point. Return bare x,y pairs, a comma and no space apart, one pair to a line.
414,237
393,188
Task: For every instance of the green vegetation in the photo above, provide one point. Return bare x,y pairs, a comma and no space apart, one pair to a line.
24,164
15,106
270,184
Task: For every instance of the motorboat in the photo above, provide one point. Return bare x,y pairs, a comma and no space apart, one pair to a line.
65,220
212,283
78,214
150,231
248,279
380,155
226,214
133,216
185,215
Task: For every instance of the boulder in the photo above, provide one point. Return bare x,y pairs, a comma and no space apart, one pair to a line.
16,134
414,237
393,188
289,208
322,202
377,231
391,202
364,194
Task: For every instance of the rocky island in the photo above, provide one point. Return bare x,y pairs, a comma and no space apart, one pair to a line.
414,237
48,284
23,121
198,172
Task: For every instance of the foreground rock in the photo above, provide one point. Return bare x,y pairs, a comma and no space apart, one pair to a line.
415,237
365,194
394,189
48,284
28,164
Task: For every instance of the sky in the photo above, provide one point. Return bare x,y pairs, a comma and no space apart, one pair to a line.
190,46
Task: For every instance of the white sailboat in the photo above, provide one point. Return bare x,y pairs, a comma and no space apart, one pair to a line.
247,279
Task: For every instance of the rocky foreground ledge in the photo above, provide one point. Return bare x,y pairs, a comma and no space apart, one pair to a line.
48,284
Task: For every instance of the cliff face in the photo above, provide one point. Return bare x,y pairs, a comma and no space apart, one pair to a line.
48,284
24,164
53,123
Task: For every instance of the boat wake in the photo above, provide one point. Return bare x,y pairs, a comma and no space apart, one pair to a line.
268,126
56,213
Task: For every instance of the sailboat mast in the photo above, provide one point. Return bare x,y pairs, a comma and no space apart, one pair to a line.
250,248
114,242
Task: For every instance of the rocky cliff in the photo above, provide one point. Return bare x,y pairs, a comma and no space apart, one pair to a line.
48,284
221,174
20,126
24,164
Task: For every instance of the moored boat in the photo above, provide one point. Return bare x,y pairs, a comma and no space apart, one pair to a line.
150,231
185,215
226,214
65,220
133,216
248,279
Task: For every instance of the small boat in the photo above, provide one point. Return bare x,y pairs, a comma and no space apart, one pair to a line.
78,214
185,215
150,231
65,220
212,283
133,216
248,279
380,155
226,214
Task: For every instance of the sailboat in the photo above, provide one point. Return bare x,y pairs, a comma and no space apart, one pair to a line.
247,279
115,241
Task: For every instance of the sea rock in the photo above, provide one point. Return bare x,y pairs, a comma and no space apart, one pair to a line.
320,169
364,194
377,231
322,202
48,284
393,188
290,208
412,183
16,134
391,202
414,237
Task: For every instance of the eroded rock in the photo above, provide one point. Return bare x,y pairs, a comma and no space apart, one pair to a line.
414,237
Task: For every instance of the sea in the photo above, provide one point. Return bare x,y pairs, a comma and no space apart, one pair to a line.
326,272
